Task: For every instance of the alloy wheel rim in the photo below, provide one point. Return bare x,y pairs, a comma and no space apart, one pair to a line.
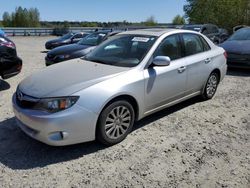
117,122
211,85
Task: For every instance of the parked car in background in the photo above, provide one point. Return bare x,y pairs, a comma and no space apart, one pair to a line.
210,30
10,63
77,50
60,31
239,27
224,34
69,38
124,79
238,48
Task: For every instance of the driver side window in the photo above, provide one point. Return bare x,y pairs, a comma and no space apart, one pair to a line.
170,47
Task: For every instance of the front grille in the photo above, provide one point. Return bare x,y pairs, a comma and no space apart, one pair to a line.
25,101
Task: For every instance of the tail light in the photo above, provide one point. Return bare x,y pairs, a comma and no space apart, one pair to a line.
8,44
19,67
225,54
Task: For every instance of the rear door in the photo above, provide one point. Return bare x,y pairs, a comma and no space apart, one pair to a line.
197,58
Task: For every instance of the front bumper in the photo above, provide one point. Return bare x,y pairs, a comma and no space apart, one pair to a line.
223,70
71,126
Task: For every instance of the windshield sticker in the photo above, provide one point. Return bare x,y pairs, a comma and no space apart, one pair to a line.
140,39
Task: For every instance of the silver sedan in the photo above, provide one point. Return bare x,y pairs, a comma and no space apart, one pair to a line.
126,78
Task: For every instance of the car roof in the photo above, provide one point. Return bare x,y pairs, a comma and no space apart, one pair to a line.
152,32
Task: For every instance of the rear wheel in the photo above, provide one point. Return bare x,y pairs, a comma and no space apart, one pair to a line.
211,86
115,122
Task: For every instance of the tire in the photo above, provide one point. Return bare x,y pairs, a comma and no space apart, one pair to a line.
211,86
115,122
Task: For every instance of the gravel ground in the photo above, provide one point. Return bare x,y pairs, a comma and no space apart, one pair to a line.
193,144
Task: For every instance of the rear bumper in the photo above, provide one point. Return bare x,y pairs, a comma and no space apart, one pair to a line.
239,64
71,126
223,70
238,60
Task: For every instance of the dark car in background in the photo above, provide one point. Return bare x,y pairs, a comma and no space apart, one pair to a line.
210,30
69,38
237,27
77,50
224,34
238,49
10,63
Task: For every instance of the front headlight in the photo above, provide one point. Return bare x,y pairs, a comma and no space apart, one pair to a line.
63,56
53,105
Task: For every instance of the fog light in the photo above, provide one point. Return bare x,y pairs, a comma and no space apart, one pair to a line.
64,135
57,136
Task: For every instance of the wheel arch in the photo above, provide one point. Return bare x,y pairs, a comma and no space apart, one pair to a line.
129,98
216,70
126,97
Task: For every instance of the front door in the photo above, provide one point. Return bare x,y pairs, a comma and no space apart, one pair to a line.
164,84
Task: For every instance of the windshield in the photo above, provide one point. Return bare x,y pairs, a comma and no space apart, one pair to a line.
122,50
242,34
92,39
67,36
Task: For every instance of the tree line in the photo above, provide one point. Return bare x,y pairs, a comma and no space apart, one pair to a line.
224,13
22,17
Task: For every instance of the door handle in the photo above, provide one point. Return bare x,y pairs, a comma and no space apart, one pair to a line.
208,60
181,69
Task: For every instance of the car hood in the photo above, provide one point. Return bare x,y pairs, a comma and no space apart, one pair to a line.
68,49
67,78
238,47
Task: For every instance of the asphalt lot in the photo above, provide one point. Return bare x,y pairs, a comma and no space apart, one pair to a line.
192,144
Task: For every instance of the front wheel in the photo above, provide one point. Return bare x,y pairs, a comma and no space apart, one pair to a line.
211,86
115,122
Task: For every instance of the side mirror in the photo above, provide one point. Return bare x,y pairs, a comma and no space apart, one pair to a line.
161,61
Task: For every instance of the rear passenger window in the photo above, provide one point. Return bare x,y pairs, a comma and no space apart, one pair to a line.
193,44
170,47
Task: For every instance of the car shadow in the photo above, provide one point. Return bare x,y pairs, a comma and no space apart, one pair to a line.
165,112
238,72
4,85
18,151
